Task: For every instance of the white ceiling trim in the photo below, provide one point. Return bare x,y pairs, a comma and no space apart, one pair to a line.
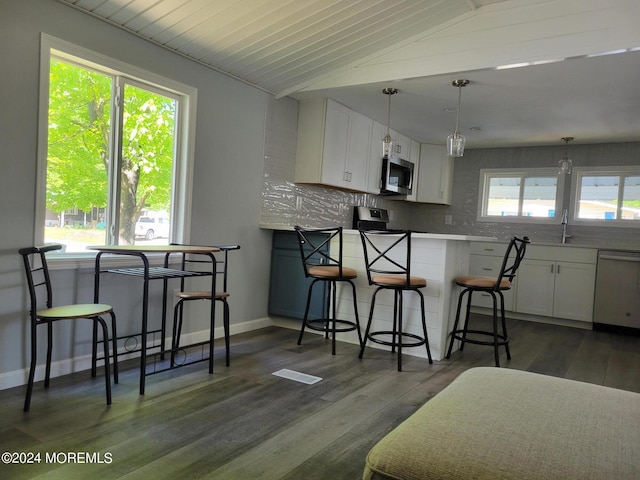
553,29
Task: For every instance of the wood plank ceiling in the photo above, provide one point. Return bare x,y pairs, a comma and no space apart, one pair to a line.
277,45
580,60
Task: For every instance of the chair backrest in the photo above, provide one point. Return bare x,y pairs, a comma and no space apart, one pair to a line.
202,262
37,272
512,258
315,247
387,252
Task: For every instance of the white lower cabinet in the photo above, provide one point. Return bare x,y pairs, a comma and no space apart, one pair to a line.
556,289
489,266
552,281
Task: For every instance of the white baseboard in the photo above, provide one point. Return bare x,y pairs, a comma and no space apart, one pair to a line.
82,363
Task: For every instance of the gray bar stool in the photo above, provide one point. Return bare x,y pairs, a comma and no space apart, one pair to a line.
326,267
494,286
387,255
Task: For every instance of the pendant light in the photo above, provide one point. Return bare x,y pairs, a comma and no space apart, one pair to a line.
455,142
387,142
565,164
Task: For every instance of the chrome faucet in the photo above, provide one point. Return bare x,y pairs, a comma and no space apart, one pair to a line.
564,222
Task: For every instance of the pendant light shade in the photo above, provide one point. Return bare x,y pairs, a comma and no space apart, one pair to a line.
387,142
456,141
565,164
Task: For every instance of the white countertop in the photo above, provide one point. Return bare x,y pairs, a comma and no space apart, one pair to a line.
433,236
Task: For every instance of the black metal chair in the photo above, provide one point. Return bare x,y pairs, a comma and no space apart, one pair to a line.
326,266
494,286
387,256
220,296
44,313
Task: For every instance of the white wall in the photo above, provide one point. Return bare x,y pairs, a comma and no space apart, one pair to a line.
231,123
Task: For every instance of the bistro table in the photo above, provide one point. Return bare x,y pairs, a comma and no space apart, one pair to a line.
149,273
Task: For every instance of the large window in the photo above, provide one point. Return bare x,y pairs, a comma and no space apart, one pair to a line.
610,196
115,168
531,195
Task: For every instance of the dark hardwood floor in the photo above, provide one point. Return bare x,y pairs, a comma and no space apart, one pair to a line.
244,423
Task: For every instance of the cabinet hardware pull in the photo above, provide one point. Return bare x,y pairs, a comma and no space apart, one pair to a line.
558,270
552,268
488,249
487,269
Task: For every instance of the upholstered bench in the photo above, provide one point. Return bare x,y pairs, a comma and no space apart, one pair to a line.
495,423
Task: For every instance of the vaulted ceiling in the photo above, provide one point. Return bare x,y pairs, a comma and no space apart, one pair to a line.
578,61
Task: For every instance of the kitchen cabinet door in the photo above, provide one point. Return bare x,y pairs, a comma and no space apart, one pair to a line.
333,145
402,145
378,131
574,291
289,287
415,159
336,144
556,289
535,291
435,177
358,145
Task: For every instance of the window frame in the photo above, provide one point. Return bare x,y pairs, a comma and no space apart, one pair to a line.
185,141
619,171
483,190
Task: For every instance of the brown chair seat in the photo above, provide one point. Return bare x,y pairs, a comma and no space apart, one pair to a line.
399,280
333,271
482,282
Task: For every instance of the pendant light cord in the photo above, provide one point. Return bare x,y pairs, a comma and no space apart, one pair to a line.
389,113
458,111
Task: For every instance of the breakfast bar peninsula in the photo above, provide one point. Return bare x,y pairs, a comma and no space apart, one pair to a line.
438,258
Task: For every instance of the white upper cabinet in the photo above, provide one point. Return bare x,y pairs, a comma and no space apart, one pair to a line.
414,157
402,145
435,175
333,145
375,157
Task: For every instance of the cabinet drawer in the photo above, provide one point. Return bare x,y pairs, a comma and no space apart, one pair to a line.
488,248
488,266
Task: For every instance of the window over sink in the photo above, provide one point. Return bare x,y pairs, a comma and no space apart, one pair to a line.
520,195
606,196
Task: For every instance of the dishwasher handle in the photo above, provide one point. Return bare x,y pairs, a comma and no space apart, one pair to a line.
622,258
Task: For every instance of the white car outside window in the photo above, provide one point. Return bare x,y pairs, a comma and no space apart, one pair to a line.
152,227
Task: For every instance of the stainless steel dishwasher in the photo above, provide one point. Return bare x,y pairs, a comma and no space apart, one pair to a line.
617,298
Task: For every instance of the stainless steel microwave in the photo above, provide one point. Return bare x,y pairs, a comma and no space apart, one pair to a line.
397,176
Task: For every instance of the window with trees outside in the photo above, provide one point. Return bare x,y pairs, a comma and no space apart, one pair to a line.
608,196
519,195
116,167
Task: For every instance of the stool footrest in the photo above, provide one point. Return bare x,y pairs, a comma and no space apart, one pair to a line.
420,340
321,325
457,334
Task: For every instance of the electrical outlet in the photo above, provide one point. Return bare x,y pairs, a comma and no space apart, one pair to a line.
448,219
